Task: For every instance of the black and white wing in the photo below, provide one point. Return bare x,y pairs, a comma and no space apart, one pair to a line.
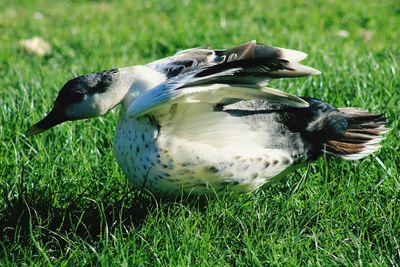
262,62
216,76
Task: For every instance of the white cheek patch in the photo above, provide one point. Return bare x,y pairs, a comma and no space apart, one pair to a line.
96,104
84,109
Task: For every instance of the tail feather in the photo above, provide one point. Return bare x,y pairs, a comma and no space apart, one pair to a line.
376,131
362,136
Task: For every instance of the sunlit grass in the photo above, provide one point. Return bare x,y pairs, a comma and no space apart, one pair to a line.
64,200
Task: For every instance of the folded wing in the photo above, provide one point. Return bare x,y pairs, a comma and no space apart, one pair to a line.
209,78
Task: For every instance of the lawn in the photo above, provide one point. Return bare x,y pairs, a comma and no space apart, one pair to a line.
64,200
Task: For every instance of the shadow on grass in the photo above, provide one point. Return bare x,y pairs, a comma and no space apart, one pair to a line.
30,217
27,217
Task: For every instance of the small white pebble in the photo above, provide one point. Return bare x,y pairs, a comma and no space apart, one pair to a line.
343,33
38,16
35,46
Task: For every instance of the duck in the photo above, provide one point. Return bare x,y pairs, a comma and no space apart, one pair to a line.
203,121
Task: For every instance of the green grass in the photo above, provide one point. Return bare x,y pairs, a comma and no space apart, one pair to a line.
64,200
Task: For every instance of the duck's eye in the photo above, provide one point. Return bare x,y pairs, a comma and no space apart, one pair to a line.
76,96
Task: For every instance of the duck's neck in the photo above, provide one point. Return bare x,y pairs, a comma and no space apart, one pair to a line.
135,81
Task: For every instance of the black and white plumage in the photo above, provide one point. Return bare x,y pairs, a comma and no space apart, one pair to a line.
203,120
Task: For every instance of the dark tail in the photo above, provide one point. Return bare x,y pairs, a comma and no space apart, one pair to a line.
349,133
361,137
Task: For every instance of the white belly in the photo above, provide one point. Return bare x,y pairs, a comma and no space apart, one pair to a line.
164,163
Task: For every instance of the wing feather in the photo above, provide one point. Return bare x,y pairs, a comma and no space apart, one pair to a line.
158,98
251,53
212,77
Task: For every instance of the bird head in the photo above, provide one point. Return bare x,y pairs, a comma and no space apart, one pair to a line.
83,97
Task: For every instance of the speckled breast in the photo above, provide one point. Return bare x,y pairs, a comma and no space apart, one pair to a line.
161,163
147,161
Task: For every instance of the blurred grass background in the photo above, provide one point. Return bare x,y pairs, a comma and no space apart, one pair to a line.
64,200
